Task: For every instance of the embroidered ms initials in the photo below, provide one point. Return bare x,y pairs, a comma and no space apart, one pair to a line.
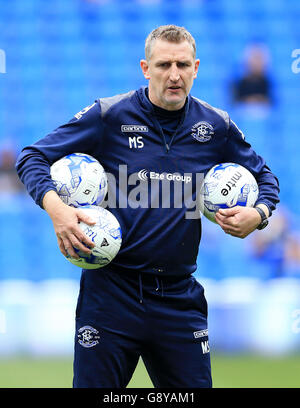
136,142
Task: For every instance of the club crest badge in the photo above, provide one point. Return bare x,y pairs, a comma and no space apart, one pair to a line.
202,131
88,336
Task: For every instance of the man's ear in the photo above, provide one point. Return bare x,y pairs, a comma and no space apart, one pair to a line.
145,68
197,62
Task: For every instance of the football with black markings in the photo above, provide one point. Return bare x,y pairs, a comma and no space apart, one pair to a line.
106,235
227,185
79,180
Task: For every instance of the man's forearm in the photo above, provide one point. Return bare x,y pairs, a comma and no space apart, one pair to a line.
51,202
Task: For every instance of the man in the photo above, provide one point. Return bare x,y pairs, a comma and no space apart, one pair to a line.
146,302
254,86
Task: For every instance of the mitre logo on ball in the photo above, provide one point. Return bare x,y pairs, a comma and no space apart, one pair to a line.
227,185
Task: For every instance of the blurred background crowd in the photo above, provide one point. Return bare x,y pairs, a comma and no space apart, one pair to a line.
63,54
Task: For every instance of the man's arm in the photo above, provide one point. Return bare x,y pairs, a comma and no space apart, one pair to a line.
83,133
80,134
241,221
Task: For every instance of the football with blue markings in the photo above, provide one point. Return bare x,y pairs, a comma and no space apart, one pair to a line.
79,180
106,234
227,185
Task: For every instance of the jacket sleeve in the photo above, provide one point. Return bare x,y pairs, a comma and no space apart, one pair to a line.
239,151
82,134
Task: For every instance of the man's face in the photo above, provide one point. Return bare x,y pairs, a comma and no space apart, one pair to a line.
171,72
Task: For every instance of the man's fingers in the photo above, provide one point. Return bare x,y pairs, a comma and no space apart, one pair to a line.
227,212
219,217
69,248
223,218
85,218
225,221
228,227
71,237
69,244
231,225
231,230
83,243
229,220
61,246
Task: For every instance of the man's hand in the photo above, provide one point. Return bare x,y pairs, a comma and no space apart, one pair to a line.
65,221
239,221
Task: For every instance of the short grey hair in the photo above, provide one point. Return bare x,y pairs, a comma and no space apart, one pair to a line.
171,33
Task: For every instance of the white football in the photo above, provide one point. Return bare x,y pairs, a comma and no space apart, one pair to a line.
227,185
106,235
79,180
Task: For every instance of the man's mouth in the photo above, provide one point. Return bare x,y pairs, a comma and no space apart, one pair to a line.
174,88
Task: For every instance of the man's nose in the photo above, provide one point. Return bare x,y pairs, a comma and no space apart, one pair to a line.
174,73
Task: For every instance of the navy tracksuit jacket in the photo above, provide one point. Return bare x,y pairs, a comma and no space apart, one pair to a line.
137,142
